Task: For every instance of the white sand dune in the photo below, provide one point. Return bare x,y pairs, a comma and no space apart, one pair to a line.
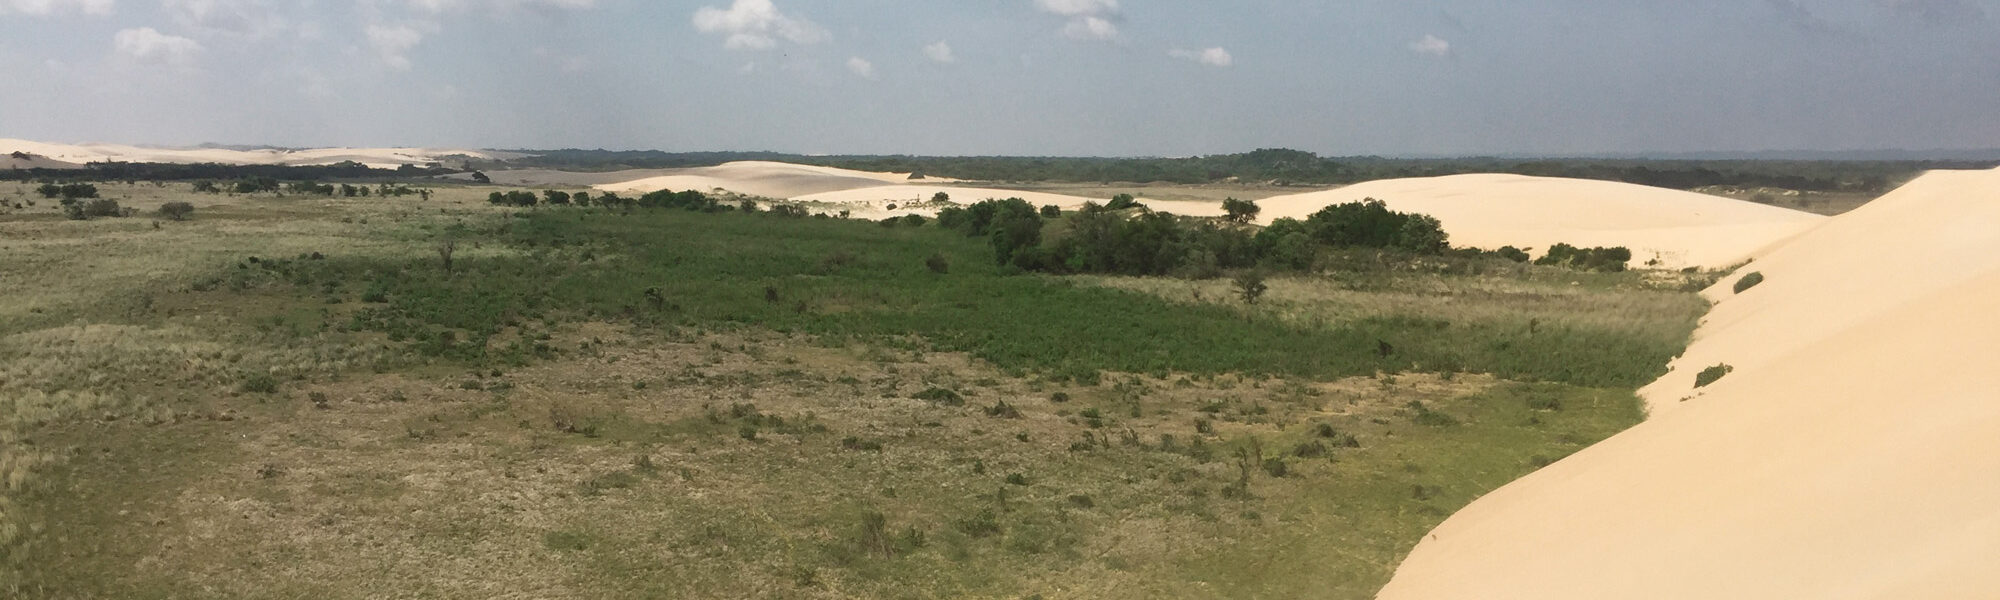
1490,210
1851,454
374,157
757,178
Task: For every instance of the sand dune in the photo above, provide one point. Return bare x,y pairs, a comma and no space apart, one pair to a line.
1488,211
1850,455
374,157
758,178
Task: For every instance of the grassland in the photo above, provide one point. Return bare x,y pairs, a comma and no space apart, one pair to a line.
591,404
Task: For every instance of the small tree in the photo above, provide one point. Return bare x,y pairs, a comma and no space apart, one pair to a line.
178,211
1250,285
1051,211
1241,211
481,177
937,197
445,249
1122,202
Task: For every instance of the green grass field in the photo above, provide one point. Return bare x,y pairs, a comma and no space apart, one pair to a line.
592,405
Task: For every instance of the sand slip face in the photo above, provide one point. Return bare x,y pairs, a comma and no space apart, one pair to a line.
1489,211
1851,454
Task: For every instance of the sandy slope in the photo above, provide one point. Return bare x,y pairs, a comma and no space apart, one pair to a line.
1852,454
374,157
1489,211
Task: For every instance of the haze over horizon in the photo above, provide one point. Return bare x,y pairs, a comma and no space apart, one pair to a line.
1020,77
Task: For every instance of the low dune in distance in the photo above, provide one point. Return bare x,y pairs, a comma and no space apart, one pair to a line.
1849,454
78,154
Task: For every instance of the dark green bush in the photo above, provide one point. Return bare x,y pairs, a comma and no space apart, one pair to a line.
178,211
1711,374
1749,281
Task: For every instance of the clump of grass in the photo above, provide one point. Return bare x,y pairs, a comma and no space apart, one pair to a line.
941,396
1712,374
856,443
1003,410
1749,281
1424,415
981,524
1017,479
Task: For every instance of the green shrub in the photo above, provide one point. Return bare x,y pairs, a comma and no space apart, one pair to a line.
1711,374
1749,281
260,383
1017,479
178,211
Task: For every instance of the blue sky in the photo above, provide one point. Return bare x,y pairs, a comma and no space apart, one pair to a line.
1023,77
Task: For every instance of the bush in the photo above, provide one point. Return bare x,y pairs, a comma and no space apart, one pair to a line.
260,383
1749,281
937,263
178,211
1122,202
1711,374
1511,253
1051,211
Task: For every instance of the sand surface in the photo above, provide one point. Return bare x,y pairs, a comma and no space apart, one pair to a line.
1679,229
388,158
1853,452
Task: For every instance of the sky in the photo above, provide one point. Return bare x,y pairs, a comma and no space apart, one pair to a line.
1010,77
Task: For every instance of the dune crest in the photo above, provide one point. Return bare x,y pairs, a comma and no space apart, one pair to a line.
1849,454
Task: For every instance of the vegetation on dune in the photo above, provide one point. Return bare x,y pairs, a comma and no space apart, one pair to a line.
1748,281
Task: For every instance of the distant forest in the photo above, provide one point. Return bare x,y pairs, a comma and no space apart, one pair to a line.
1268,166
1294,167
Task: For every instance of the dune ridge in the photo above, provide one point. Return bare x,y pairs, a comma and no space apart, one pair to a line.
1849,455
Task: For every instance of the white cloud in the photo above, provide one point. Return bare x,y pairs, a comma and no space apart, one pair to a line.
252,18
1077,8
393,43
442,6
1088,19
1431,45
1214,57
861,67
1091,28
940,52
52,7
756,25
148,45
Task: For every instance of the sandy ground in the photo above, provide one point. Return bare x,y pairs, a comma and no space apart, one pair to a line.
1850,454
374,157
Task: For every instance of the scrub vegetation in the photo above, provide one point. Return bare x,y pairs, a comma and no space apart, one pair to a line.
444,394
